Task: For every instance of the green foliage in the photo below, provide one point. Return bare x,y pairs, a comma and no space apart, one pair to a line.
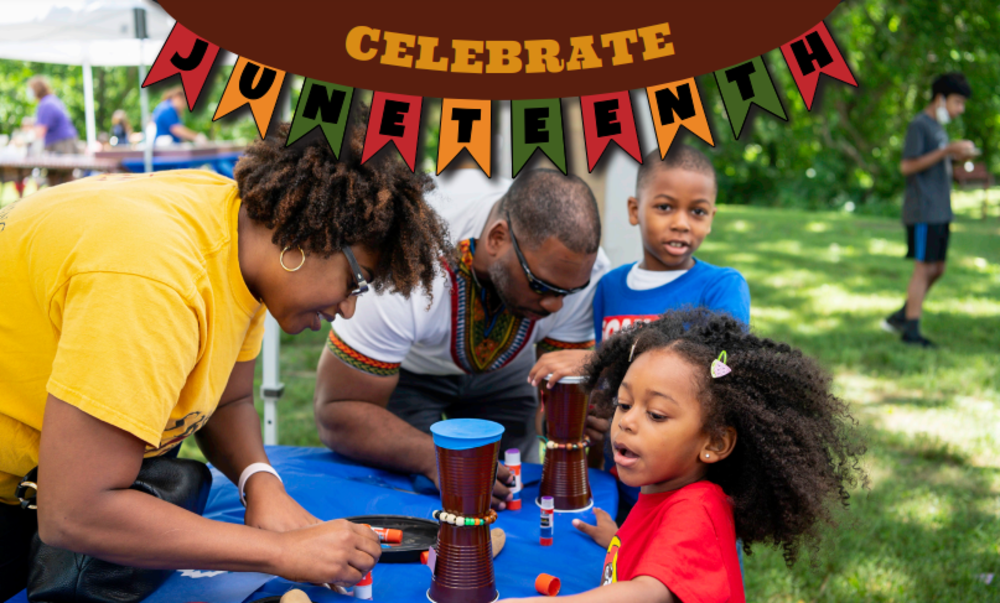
848,148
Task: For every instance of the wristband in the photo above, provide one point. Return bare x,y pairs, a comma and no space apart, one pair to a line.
250,470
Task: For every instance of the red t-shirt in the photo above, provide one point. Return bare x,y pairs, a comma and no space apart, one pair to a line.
686,539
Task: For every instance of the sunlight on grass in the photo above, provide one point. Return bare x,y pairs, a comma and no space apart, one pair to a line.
817,227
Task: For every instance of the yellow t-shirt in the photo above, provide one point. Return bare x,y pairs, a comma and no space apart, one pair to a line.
121,295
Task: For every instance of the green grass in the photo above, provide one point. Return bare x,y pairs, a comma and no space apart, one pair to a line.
930,522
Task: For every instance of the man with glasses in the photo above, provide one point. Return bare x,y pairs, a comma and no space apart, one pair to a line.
515,299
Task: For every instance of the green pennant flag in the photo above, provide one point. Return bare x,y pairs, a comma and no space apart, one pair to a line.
536,124
324,105
744,85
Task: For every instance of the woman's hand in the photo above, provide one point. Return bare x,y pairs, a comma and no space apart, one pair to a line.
269,507
334,552
563,363
602,532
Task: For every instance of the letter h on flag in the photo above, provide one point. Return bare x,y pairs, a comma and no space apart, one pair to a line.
188,55
811,54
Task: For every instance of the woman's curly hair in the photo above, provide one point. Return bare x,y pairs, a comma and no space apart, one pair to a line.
796,443
311,199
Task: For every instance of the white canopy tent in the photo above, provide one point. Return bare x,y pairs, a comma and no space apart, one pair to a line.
107,33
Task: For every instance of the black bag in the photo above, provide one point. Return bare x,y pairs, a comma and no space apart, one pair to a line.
58,575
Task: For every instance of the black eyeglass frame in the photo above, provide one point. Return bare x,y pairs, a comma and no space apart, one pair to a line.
359,278
534,283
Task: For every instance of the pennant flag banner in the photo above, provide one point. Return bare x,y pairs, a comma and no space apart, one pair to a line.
325,106
394,118
744,85
466,124
536,124
188,55
811,54
607,118
255,84
674,105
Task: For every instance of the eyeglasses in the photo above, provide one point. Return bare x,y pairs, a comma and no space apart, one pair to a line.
358,277
534,283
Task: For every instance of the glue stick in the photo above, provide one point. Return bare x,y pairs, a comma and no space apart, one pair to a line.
512,458
386,534
363,589
547,521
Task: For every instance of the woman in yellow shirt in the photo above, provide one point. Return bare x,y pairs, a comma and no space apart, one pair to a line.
131,314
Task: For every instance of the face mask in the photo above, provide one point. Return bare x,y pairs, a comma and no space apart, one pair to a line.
943,116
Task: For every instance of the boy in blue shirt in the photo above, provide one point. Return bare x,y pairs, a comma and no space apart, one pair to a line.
673,206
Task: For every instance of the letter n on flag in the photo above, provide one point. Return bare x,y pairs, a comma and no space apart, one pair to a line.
253,84
394,118
188,55
811,54
674,105
607,118
465,124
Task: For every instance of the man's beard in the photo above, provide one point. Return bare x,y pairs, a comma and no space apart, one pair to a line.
503,286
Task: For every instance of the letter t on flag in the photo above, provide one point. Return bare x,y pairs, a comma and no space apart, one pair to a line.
254,84
607,118
811,54
465,124
394,118
188,55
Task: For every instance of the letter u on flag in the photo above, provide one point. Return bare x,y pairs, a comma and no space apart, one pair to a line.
674,105
325,106
536,124
188,55
607,118
748,84
255,84
465,124
811,54
394,118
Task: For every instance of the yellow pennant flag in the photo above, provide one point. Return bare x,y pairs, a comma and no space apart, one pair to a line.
465,124
255,84
674,105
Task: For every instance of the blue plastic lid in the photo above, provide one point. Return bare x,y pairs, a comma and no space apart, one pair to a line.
463,434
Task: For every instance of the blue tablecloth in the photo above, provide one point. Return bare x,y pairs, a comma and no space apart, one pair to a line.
330,486
223,164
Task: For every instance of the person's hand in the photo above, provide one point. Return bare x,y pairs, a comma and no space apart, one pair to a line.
597,428
563,363
501,489
269,507
200,138
334,552
961,149
602,532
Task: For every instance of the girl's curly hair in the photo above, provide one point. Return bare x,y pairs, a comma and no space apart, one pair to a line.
796,446
311,199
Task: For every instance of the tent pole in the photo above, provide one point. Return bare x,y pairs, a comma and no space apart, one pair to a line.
147,155
88,101
270,388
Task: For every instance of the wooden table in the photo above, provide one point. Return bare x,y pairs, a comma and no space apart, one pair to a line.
60,167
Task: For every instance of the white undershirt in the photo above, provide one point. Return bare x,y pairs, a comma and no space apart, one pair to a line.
641,280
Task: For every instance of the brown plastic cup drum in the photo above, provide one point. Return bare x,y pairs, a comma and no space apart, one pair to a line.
564,478
565,409
467,451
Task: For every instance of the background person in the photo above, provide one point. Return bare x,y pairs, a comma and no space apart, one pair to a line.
167,117
927,215
52,121
137,321
121,129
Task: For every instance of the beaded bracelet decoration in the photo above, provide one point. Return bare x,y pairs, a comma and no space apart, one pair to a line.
549,444
459,520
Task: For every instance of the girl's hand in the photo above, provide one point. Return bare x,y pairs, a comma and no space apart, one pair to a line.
270,508
334,552
603,532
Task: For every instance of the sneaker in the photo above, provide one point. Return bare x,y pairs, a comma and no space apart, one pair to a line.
918,340
894,323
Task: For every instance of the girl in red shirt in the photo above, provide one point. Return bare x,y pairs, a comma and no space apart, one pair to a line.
729,435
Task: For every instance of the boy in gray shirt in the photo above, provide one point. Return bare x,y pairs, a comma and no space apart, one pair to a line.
927,158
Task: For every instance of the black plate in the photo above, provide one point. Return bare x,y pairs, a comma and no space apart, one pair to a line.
418,536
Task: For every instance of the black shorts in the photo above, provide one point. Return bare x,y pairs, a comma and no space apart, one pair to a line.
927,242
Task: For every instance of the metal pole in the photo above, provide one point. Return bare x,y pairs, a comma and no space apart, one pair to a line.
150,133
88,100
271,389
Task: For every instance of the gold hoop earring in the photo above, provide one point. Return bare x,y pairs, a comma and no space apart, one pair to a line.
281,259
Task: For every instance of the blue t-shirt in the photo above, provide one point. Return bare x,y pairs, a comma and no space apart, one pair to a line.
704,286
165,116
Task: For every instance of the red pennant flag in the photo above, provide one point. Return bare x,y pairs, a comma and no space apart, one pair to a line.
188,55
811,54
394,118
607,118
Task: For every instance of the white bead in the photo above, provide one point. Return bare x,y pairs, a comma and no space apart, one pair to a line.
459,520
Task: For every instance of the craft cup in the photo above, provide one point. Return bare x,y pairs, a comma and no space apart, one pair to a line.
564,474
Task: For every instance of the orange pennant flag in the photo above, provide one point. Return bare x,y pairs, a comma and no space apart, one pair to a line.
465,124
255,84
674,105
